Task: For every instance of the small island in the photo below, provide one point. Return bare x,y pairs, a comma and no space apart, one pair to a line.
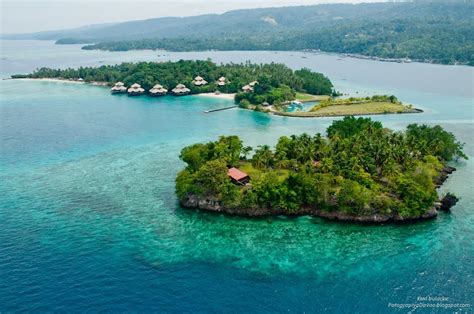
360,172
331,107
273,88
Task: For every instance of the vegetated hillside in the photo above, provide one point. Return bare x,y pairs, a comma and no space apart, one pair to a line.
434,32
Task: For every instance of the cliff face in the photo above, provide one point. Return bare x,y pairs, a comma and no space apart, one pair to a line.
443,175
213,205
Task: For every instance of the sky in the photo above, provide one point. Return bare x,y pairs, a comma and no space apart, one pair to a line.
25,16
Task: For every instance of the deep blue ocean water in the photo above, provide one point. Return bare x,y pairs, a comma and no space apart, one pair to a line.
89,220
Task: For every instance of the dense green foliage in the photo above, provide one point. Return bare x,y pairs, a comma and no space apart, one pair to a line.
277,82
350,126
360,169
313,83
430,32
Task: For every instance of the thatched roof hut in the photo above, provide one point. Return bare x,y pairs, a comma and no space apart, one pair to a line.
222,81
199,81
247,88
135,89
158,90
180,89
118,88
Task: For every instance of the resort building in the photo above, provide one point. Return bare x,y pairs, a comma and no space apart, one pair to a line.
180,89
199,81
158,90
135,90
237,176
118,88
247,89
222,81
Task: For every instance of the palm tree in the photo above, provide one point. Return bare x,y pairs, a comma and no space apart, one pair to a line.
246,151
263,157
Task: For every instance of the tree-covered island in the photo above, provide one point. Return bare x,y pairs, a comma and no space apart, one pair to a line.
263,87
359,172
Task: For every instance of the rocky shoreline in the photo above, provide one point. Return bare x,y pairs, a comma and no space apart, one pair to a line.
315,115
211,204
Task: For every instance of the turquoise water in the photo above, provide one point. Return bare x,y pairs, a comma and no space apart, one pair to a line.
306,106
89,220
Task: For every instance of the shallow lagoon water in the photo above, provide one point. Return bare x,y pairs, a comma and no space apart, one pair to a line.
89,219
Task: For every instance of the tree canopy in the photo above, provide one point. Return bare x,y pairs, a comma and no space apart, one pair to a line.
430,32
361,168
276,82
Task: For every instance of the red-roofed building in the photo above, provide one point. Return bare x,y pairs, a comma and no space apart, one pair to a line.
238,176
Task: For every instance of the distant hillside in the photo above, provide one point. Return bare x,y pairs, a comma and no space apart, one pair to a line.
432,32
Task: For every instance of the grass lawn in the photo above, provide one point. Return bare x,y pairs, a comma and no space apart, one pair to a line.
255,173
353,110
303,97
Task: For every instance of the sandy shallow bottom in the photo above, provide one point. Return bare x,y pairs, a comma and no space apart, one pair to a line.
89,220
55,80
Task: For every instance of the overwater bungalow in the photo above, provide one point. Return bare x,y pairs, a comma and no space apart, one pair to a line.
237,176
222,81
158,90
199,81
135,90
118,88
180,89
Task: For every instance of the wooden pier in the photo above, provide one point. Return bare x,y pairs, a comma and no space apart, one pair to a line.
220,109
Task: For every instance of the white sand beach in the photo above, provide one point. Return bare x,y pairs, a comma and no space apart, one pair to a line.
55,80
221,95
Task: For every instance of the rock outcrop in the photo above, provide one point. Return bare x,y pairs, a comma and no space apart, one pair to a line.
448,201
213,205
443,175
